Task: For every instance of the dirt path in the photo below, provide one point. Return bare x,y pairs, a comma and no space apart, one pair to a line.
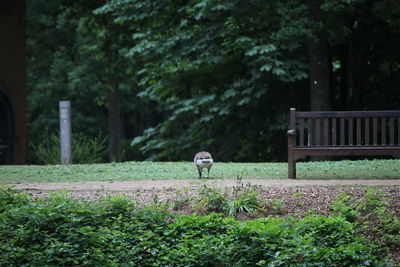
315,193
160,184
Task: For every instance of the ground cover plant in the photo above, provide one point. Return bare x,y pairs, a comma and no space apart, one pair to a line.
86,150
128,171
118,231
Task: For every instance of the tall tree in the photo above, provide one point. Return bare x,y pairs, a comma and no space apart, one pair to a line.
74,54
210,65
207,74
319,61
101,60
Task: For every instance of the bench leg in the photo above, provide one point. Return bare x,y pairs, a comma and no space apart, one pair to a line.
292,168
291,158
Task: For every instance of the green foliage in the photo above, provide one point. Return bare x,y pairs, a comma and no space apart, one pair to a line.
213,64
11,198
276,205
204,74
59,231
245,202
208,64
213,199
372,216
183,198
244,199
323,240
52,70
379,220
346,206
82,61
116,231
84,150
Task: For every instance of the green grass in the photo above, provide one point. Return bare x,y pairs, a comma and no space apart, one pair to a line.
128,171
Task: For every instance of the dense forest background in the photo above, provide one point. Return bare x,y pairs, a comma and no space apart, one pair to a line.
162,80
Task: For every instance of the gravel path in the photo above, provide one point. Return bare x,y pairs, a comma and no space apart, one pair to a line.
160,184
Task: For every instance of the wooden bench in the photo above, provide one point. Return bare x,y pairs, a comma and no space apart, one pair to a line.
342,133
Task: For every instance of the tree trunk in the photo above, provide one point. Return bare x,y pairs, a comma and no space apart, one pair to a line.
354,75
320,70
114,125
320,64
344,87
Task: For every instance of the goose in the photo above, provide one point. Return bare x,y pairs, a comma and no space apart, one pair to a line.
203,160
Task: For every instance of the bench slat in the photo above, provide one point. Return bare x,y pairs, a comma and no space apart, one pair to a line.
375,131
301,132
347,114
310,132
366,124
358,131
342,131
334,131
398,131
326,132
350,133
346,151
318,132
383,131
391,133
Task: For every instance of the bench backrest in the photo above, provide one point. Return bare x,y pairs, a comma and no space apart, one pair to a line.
346,128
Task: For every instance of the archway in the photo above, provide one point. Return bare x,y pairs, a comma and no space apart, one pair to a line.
7,131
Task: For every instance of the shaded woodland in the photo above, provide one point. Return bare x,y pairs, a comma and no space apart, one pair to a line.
165,79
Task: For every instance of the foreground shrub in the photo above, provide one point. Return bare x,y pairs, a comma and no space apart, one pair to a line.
10,198
244,199
58,231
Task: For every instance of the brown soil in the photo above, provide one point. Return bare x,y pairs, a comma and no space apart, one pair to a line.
160,184
297,196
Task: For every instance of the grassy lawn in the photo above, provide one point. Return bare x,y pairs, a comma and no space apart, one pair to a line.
363,169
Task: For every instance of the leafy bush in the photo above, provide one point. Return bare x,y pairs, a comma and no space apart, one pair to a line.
58,231
84,149
183,198
346,206
212,199
325,241
244,199
10,197
275,205
243,202
372,217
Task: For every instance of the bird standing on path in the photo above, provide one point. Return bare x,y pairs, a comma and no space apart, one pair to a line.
203,160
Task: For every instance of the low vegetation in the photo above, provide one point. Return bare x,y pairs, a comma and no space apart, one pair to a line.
86,150
128,171
118,231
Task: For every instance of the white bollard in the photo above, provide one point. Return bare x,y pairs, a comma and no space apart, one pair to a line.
65,132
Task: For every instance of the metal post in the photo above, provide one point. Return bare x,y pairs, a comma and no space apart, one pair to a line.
65,132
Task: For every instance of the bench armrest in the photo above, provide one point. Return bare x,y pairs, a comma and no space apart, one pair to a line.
291,132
